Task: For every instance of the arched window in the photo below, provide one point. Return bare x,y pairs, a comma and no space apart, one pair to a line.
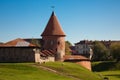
58,43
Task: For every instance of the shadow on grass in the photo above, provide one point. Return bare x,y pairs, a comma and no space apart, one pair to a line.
106,66
115,75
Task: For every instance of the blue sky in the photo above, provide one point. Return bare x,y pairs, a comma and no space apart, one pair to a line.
80,19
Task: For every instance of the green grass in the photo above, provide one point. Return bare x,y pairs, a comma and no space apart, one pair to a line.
31,71
107,69
112,75
72,69
105,66
14,71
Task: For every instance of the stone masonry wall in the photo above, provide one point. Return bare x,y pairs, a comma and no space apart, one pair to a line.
17,54
86,64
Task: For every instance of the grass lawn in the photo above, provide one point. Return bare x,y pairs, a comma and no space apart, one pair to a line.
73,70
32,71
108,69
24,71
112,75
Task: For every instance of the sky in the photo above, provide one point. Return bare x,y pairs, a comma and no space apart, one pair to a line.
80,19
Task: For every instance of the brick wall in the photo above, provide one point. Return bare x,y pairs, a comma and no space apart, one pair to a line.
86,64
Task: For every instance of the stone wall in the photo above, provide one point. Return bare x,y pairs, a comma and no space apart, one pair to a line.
47,59
86,64
56,43
17,54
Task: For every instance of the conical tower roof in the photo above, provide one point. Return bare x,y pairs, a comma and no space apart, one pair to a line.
53,27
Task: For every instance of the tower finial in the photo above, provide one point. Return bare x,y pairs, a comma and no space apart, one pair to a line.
53,8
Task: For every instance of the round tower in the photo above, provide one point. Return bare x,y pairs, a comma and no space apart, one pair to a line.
54,38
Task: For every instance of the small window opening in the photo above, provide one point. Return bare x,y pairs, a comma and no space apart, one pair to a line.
58,43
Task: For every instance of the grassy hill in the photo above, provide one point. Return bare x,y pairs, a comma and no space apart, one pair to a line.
72,69
14,71
107,69
105,66
32,71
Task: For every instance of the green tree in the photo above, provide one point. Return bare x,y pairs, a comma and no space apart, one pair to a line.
115,50
67,47
100,52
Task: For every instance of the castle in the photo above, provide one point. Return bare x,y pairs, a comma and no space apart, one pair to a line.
22,50
52,48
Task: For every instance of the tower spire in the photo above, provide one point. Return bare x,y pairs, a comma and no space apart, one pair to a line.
53,27
53,7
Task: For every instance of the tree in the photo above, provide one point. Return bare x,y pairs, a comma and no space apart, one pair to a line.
67,47
100,52
115,50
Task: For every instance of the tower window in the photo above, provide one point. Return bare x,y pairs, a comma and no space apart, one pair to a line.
58,43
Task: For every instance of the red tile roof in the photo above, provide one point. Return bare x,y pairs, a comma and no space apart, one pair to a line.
18,43
47,53
53,27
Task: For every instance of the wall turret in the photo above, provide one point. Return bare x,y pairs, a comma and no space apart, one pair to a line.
54,38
